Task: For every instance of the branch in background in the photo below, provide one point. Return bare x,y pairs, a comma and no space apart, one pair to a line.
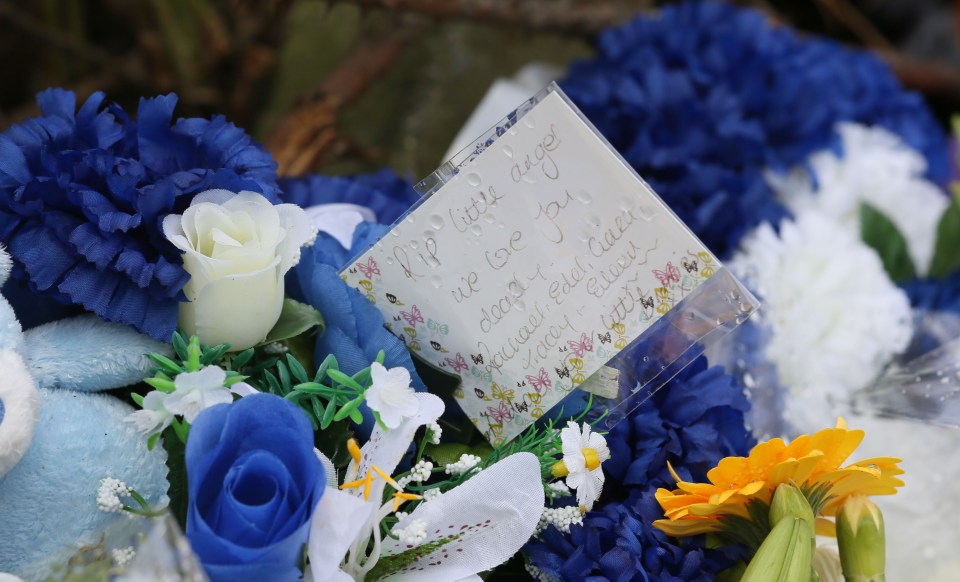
308,133
576,17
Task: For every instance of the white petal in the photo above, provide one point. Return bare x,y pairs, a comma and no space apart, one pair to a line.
337,520
205,379
492,528
243,389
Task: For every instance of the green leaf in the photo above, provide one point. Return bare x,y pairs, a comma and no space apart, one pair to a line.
328,412
348,410
242,359
166,364
161,384
137,398
295,318
284,376
344,380
297,369
946,254
176,476
882,235
214,354
180,345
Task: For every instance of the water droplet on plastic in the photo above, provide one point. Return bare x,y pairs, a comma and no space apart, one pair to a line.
489,218
519,306
944,380
529,179
389,260
689,315
939,373
646,358
584,234
593,220
917,379
626,203
508,151
476,229
529,122
411,219
395,232
428,234
436,222
583,197
473,179
436,281
414,245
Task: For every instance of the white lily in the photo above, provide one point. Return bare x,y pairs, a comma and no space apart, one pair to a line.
471,528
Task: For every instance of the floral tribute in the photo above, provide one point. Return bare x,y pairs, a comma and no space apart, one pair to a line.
263,423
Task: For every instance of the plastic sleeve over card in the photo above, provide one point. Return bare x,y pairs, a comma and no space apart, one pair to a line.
538,261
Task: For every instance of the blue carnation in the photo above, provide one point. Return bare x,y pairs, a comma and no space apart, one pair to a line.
354,330
384,192
692,422
935,294
83,194
703,97
618,542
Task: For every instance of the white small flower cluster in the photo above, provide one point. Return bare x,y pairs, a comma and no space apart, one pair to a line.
560,517
418,474
538,574
557,489
433,432
431,494
413,534
122,556
109,494
401,515
466,464
275,349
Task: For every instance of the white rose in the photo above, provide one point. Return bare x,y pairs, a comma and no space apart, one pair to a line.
237,248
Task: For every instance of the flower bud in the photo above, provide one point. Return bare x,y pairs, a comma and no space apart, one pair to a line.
789,501
785,556
861,540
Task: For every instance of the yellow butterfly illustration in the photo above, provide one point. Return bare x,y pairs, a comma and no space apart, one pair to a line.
410,332
576,363
620,343
501,394
536,412
534,397
663,294
619,328
366,284
414,345
371,298
497,429
458,393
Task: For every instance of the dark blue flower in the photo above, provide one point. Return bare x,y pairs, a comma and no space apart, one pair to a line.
254,482
935,294
384,192
618,542
702,97
83,194
692,422
354,332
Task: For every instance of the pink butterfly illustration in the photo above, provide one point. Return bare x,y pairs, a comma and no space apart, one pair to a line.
370,269
459,364
671,274
501,413
413,316
580,347
540,382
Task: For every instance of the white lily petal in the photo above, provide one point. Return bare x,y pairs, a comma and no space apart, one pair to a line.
204,379
337,520
491,528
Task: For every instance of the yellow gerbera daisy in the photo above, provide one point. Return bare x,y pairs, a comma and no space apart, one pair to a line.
809,461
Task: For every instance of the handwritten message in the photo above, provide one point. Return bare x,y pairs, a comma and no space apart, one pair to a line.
531,268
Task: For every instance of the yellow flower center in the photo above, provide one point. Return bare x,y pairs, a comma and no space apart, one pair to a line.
590,456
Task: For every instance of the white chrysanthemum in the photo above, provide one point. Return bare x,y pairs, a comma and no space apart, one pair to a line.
391,395
876,168
583,453
836,318
122,556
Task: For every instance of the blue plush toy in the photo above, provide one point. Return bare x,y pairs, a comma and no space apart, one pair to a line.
58,438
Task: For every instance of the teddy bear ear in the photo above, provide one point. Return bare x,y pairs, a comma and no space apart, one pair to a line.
19,409
6,263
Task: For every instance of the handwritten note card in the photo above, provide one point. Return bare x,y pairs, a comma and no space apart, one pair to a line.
531,268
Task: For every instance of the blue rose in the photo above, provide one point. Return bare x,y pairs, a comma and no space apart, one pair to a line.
254,482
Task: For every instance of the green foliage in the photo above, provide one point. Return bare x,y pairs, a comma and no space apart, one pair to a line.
879,232
177,477
330,396
946,256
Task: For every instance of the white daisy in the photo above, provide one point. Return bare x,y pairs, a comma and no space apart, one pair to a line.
583,453
391,395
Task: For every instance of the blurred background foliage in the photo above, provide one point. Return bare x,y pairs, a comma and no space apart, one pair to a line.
353,85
